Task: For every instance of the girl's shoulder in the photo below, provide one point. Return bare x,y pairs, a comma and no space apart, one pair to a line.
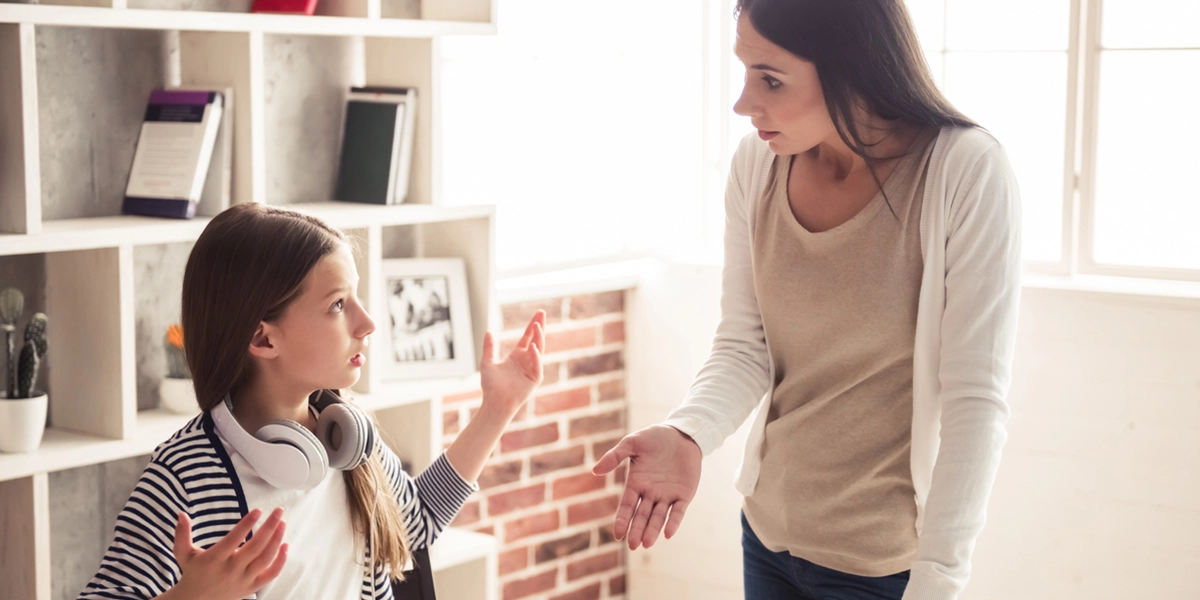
962,147
193,439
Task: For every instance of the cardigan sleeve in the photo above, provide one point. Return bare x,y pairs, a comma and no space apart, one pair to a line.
735,375
428,502
140,562
978,340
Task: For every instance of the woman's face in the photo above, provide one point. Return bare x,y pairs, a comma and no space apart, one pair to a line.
782,94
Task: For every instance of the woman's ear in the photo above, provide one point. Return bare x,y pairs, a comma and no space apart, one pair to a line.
260,344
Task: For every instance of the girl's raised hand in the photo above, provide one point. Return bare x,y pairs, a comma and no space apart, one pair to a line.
508,384
230,569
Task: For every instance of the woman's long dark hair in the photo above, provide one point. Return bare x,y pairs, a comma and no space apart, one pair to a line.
246,267
865,51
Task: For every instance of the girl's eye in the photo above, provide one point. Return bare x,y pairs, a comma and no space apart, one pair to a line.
337,306
772,83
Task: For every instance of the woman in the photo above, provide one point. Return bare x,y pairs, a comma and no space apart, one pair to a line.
869,305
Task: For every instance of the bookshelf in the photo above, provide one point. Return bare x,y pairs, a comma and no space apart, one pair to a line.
74,77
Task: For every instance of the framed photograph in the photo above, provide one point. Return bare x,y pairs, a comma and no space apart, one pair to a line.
427,331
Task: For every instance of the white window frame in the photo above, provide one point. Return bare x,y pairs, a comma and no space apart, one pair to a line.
1077,238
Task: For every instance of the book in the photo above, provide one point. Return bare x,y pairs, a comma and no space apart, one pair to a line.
173,153
290,7
217,193
377,140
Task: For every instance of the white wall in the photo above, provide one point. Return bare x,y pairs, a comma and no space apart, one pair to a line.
1098,495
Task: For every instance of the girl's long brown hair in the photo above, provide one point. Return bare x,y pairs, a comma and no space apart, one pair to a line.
246,267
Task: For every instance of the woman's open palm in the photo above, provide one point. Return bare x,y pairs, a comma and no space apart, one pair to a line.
664,472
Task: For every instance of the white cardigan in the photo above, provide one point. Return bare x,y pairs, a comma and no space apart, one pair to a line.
966,333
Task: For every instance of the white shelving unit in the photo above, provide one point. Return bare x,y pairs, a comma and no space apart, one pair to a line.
88,247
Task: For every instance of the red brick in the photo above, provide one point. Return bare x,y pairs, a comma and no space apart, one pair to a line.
560,401
599,448
594,510
570,339
604,534
526,438
547,462
506,502
514,560
550,373
614,332
592,305
500,474
521,588
616,585
516,316
593,365
609,421
450,422
592,565
469,514
591,592
531,525
488,529
577,484
612,390
561,547
471,395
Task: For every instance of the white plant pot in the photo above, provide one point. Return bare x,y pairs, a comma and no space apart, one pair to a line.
177,396
22,422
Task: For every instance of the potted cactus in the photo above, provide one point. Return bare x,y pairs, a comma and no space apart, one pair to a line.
175,391
22,406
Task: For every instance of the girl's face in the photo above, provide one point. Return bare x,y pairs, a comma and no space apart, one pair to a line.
321,335
782,94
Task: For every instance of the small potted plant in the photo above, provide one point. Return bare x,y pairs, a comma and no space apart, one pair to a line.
175,391
22,407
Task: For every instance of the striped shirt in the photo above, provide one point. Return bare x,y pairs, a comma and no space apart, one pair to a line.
191,472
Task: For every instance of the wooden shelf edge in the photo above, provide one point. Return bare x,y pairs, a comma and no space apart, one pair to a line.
458,546
63,449
106,232
187,20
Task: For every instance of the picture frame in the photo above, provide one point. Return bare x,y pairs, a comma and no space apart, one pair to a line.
426,322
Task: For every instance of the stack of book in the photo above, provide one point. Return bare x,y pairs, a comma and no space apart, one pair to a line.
377,143
183,159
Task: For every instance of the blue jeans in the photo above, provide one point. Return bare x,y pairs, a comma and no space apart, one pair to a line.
780,576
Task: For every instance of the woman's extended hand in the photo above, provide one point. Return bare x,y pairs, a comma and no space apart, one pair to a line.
664,471
508,384
229,569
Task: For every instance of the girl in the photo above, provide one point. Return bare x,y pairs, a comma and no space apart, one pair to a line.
869,311
272,325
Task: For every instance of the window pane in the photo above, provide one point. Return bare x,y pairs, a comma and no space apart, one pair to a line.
587,138
1151,24
1021,99
929,19
1007,25
1147,203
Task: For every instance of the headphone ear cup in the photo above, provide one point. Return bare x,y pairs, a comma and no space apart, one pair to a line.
357,436
296,435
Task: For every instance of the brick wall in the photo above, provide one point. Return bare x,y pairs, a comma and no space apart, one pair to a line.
553,518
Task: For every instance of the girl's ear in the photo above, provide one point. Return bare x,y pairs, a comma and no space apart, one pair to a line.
260,344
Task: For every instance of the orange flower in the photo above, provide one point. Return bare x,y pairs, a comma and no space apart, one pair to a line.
175,336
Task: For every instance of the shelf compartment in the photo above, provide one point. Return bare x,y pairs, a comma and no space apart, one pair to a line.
20,189
158,293
115,18
25,529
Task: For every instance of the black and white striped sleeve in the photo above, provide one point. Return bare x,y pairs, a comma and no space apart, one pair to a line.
140,562
430,501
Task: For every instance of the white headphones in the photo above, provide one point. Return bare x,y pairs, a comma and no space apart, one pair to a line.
287,455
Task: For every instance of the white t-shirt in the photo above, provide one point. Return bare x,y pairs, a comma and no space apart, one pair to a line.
323,562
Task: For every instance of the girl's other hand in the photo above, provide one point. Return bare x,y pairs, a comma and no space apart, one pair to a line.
508,384
230,569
